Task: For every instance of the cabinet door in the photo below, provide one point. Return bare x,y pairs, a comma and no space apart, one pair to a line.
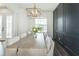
55,16
58,21
73,21
66,18
71,36
73,29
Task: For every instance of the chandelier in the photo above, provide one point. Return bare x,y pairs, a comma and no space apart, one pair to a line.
33,12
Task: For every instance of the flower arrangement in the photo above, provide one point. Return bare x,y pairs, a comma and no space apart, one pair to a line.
36,29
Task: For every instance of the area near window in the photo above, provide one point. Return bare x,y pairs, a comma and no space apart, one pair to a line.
41,22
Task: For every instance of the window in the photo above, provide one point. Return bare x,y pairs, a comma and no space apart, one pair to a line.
42,22
8,26
5,26
0,26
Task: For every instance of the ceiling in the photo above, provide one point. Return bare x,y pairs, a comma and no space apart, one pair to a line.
43,6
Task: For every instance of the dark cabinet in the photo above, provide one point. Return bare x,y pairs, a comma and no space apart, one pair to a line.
58,21
66,26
